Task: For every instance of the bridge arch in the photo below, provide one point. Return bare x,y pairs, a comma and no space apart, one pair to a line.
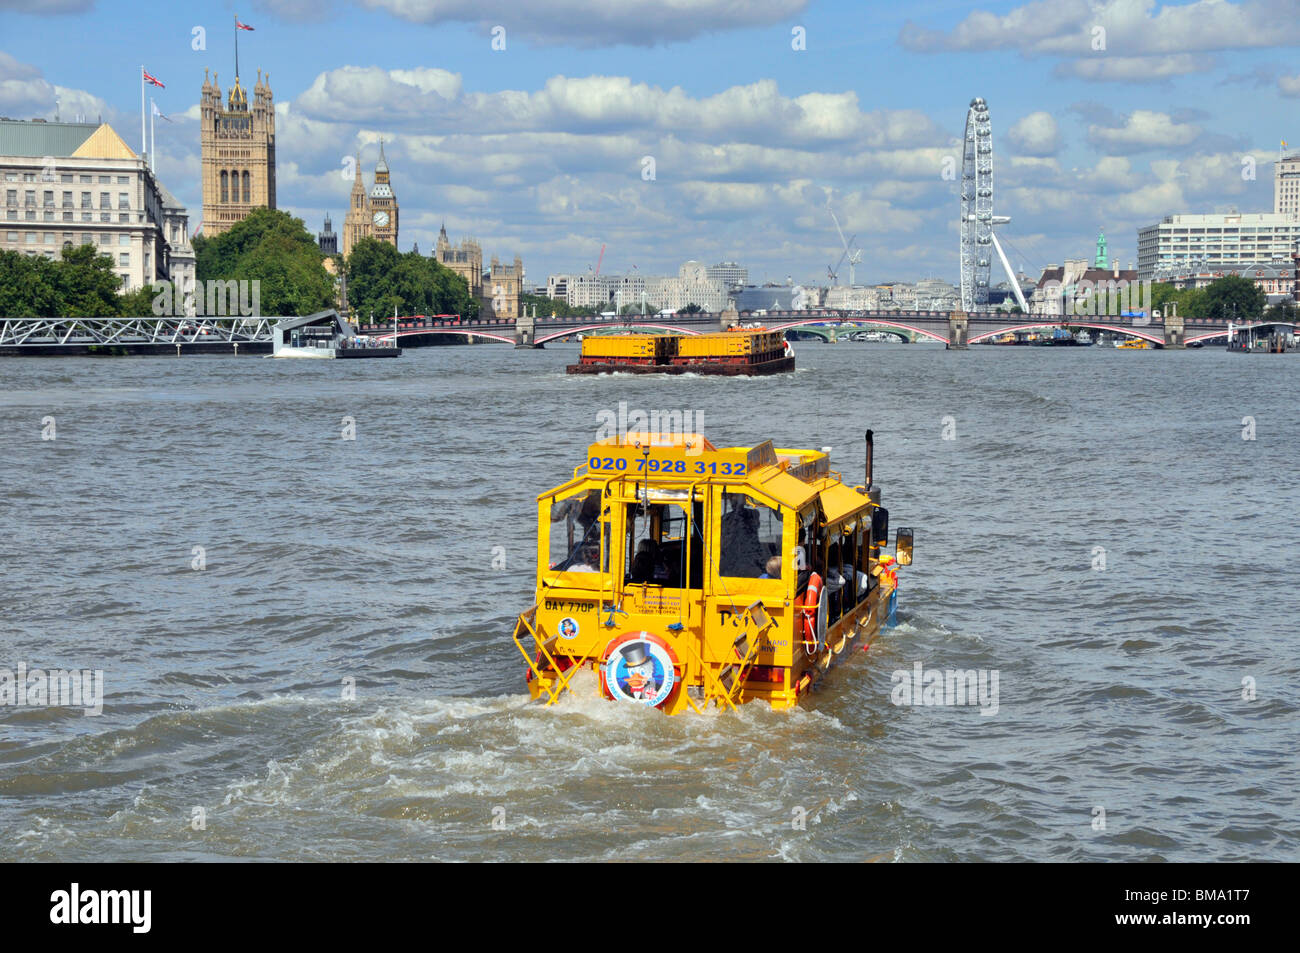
1115,328
858,322
462,331
615,329
1223,332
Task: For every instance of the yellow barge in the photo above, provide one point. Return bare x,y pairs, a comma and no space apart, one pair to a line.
747,351
686,574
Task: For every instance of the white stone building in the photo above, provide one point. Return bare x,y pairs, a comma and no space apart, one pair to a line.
612,292
69,183
1237,238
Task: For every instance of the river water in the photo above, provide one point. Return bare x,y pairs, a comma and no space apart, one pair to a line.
1091,525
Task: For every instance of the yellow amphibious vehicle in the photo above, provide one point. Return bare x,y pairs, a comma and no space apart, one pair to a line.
686,574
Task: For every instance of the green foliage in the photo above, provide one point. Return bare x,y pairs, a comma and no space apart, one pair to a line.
548,306
1190,302
1285,312
87,284
1233,298
1161,294
138,303
690,309
81,284
275,249
381,279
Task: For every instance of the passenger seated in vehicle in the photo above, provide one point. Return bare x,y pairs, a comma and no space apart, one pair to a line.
773,568
643,563
834,583
742,553
587,560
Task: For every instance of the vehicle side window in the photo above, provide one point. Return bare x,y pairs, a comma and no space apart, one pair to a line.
750,541
575,538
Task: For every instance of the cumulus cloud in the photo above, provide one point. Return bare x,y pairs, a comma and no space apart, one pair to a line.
427,99
1036,135
355,93
47,7
1136,69
586,23
554,171
25,93
1289,85
1146,39
1143,129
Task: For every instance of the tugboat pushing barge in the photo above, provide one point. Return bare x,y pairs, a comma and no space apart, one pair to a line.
736,352
686,574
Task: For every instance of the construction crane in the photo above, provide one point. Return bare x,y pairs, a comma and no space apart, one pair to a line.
854,255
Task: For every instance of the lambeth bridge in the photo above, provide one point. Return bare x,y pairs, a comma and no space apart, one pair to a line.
253,335
954,329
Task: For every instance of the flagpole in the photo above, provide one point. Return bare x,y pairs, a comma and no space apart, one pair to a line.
236,47
153,143
143,143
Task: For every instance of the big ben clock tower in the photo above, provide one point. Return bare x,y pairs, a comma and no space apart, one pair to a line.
383,203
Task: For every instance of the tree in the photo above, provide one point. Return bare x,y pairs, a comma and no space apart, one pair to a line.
81,284
138,303
690,309
87,284
556,306
1162,293
1233,298
1190,302
381,280
1284,312
27,288
274,249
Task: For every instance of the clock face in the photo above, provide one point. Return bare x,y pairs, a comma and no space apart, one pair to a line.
381,219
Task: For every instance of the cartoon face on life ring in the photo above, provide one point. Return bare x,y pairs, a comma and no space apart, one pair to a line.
639,667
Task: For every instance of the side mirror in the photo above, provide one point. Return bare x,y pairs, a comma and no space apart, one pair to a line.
903,546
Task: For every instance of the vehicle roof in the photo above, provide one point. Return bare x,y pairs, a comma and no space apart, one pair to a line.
789,477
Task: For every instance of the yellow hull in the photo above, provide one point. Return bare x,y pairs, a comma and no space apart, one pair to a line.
700,677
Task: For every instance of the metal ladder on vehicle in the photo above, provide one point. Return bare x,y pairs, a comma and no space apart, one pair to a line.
724,686
526,626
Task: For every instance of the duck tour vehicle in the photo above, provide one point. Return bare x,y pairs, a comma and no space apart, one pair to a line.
685,574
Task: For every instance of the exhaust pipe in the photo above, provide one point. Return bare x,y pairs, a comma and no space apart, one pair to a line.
870,449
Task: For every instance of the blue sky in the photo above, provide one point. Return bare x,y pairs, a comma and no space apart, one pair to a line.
537,149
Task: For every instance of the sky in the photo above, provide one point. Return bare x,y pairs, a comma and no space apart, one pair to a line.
707,129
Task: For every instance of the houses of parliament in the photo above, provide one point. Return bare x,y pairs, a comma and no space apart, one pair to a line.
238,155
238,148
